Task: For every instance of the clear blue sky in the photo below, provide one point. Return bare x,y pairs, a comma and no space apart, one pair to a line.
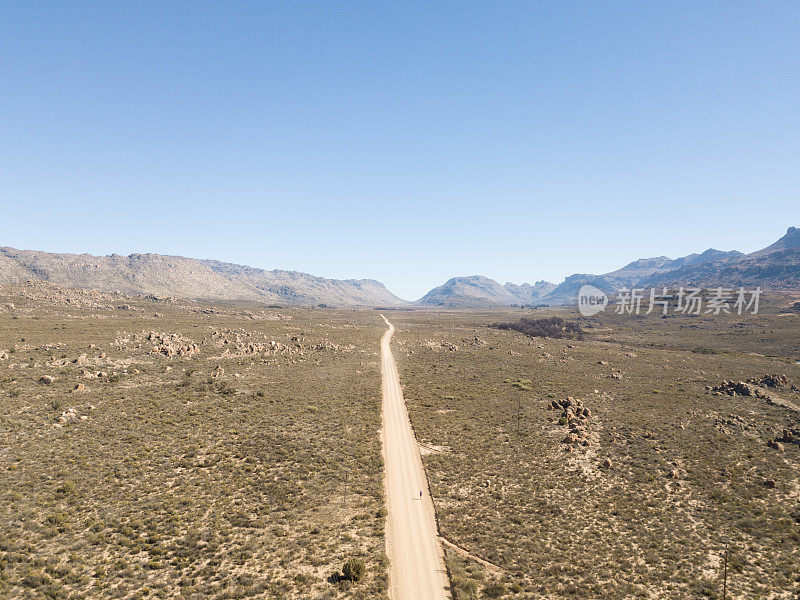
403,142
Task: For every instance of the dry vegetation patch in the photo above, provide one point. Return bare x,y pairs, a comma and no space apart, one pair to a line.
670,473
205,457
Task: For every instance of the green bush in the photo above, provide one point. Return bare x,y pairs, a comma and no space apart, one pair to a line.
34,578
354,569
494,590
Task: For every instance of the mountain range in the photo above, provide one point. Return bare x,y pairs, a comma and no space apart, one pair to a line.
188,278
775,267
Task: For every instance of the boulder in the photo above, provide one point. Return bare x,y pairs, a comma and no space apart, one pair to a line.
776,444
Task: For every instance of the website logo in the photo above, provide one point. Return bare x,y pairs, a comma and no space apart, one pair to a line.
591,300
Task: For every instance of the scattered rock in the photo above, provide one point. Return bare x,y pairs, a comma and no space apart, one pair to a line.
606,464
770,380
47,379
475,341
768,483
736,388
575,416
67,416
777,445
173,344
436,346
790,435
735,422
79,388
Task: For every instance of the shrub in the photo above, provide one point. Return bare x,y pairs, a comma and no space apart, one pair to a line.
552,327
354,569
34,578
704,350
66,489
494,590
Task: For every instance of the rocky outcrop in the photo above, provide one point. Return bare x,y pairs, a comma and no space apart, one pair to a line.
575,416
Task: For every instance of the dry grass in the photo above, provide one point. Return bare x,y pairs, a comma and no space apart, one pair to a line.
173,478
687,467
211,462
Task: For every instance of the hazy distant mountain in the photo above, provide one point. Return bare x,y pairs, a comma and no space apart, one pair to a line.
775,267
188,278
477,291
530,294
633,274
777,271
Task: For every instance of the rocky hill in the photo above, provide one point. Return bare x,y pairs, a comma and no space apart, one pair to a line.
775,267
188,278
788,242
636,273
477,291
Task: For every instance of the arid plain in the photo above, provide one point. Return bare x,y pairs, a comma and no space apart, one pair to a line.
155,448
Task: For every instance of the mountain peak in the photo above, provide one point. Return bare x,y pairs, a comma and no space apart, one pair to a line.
478,291
788,241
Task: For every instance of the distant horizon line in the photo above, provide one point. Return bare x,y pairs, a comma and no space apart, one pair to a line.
371,279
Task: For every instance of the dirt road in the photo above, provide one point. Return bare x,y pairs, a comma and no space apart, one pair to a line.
417,565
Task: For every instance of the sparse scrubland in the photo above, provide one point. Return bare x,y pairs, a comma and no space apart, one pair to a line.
634,490
174,449
153,449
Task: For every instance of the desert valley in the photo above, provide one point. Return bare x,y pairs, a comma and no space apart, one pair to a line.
177,447
399,300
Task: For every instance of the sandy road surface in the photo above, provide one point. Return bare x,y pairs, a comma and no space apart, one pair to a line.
417,565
